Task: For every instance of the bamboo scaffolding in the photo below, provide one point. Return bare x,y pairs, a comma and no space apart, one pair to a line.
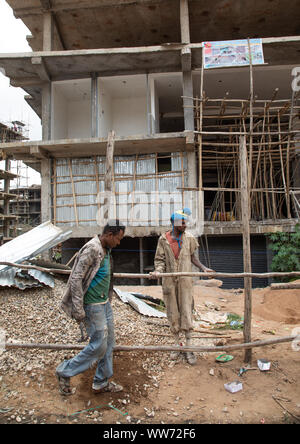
270,150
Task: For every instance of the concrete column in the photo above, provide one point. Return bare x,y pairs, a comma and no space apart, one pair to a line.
48,31
46,194
187,82
95,106
189,124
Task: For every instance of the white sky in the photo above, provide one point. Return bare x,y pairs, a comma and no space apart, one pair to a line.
13,34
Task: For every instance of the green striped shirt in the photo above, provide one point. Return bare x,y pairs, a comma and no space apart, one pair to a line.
99,287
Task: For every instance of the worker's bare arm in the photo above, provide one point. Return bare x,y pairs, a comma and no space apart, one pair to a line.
198,264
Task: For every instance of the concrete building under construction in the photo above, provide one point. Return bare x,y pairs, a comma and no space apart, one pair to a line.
130,82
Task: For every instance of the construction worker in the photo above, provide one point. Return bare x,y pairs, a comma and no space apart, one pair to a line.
176,252
87,300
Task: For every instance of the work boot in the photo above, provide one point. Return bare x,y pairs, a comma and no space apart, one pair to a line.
175,354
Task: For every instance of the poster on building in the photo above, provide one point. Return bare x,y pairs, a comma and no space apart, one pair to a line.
232,53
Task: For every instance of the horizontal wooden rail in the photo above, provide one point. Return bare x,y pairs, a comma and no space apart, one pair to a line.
151,348
161,275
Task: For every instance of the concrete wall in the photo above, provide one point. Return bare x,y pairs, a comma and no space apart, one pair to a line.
59,113
71,109
105,110
78,119
122,107
129,116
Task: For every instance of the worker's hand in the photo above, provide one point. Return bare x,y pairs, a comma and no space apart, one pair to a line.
83,331
154,274
208,270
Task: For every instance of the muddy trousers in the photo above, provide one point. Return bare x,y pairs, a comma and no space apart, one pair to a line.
100,327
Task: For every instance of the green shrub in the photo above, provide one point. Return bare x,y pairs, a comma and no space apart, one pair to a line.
286,247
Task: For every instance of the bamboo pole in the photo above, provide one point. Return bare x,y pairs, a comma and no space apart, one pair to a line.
251,115
151,348
73,191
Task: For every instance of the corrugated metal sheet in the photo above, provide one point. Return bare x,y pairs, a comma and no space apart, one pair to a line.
85,185
138,305
25,246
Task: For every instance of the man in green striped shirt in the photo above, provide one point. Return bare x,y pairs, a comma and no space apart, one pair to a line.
87,300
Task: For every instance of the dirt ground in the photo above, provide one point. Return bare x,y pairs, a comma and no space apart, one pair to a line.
157,390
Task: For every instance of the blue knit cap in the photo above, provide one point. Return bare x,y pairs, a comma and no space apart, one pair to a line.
181,214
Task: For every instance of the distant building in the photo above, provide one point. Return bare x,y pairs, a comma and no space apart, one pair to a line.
27,206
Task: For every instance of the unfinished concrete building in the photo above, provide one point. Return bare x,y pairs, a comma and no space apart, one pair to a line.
9,133
131,75
27,206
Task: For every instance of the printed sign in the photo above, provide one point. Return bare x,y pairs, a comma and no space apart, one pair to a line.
232,53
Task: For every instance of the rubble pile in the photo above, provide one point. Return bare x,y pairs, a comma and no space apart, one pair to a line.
34,316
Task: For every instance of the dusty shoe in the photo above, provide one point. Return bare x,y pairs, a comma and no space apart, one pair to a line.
191,358
174,355
110,387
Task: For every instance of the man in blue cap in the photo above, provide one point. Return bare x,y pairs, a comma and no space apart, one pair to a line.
176,252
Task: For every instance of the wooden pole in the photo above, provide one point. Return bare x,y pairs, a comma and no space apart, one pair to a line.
148,276
244,182
73,192
150,348
108,178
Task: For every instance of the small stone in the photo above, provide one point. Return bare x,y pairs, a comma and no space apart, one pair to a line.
212,372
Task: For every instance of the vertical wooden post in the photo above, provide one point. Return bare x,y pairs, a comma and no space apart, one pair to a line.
108,178
245,209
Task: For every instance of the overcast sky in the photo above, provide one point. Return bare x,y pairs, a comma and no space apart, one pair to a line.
13,34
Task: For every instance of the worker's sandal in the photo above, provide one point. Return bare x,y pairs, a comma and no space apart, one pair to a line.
191,358
64,385
110,387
